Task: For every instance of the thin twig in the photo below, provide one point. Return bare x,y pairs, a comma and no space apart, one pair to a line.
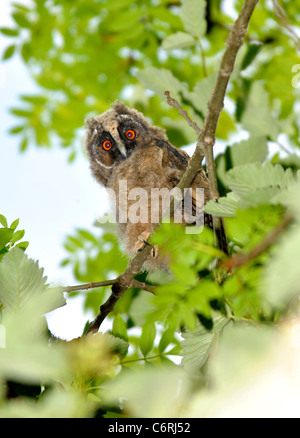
284,21
173,102
242,259
87,286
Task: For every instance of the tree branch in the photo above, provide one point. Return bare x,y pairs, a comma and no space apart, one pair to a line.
87,286
242,259
121,283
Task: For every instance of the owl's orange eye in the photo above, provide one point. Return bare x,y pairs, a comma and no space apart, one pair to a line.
130,134
106,145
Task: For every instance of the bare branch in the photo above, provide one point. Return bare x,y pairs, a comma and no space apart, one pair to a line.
87,286
105,283
123,282
173,102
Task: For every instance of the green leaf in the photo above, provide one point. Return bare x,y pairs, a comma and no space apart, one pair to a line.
3,220
9,32
125,20
21,113
160,80
24,144
21,279
147,337
34,99
166,339
249,177
247,151
184,274
198,344
253,184
18,235
178,40
193,17
158,391
21,19
9,51
22,245
257,117
15,224
5,236
119,328
16,129
224,207
202,92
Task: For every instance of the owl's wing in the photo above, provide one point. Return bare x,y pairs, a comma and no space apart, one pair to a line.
176,158
172,156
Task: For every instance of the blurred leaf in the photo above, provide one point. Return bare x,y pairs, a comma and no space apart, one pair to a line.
198,344
18,235
21,279
147,338
247,151
224,207
21,19
160,80
5,236
166,392
14,224
16,129
178,40
24,144
248,177
202,92
3,220
10,50
166,339
9,32
193,17
119,328
257,117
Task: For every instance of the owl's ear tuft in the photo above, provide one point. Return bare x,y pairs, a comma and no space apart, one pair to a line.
122,109
90,123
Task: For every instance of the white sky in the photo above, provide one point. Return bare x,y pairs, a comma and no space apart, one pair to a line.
50,196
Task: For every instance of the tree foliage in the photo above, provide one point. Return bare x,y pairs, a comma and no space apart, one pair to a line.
83,55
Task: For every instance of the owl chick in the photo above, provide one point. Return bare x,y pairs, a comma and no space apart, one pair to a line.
133,158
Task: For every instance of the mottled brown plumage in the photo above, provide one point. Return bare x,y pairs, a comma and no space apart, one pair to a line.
140,154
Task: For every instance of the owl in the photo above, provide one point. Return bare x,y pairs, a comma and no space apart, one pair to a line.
134,159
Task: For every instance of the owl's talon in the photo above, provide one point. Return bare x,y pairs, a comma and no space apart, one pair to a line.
142,241
140,248
154,252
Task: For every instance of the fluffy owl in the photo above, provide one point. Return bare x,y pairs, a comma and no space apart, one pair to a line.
123,147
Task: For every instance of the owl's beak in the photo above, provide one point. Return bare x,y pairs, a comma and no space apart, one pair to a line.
122,148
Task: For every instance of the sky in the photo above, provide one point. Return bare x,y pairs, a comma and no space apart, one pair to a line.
50,196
